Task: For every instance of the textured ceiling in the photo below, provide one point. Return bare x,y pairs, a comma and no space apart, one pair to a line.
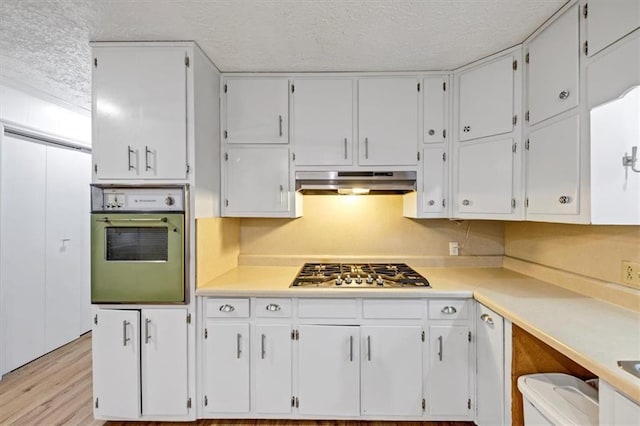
44,43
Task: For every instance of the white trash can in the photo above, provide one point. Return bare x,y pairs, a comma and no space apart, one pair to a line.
558,399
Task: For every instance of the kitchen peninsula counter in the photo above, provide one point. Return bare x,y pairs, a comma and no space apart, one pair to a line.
594,333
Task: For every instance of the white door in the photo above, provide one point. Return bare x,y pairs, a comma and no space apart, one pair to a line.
257,180
485,176
329,370
226,365
434,97
164,362
553,174
257,110
66,214
323,121
272,359
435,179
116,364
391,370
22,271
486,99
139,112
553,68
448,374
490,367
388,121
608,21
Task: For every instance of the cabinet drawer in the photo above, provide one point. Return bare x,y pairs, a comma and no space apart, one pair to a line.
327,308
393,309
449,309
273,308
228,308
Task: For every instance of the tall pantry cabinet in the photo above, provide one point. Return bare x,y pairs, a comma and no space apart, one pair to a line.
155,122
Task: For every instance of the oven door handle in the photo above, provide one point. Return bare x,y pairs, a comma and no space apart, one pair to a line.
107,219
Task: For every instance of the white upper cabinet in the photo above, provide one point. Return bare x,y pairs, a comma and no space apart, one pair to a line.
388,121
485,104
139,112
435,180
434,107
322,122
257,110
608,21
553,68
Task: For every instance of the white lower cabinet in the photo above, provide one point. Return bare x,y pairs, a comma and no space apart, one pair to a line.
271,355
140,353
615,408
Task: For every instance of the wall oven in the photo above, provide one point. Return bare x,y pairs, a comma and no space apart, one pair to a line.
138,240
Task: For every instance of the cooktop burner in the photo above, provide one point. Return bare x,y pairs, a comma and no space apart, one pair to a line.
358,275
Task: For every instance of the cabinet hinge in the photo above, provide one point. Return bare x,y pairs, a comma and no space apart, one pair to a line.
226,156
514,147
513,203
206,335
444,156
95,319
189,318
515,65
297,338
526,58
188,403
526,116
188,169
206,401
418,156
469,403
295,335
226,202
585,48
444,203
95,168
186,61
293,401
293,87
526,145
585,10
515,120
297,402
527,202
97,402
469,336
225,88
226,134
444,133
444,86
422,335
418,87
424,404
95,62
293,156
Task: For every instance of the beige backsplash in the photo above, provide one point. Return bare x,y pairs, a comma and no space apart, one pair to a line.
217,247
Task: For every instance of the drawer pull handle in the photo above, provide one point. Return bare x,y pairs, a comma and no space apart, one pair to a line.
227,308
449,310
273,307
486,318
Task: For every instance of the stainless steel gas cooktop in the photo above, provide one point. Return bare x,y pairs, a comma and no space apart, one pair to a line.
359,275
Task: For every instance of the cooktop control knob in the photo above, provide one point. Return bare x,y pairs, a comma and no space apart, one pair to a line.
369,279
379,280
169,200
358,280
347,279
338,281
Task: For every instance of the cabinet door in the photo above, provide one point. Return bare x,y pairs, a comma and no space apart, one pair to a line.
66,214
257,110
388,121
139,112
434,97
490,367
116,364
164,362
272,358
226,364
329,370
323,122
486,99
485,176
257,181
449,370
553,174
609,21
22,271
435,178
553,68
391,370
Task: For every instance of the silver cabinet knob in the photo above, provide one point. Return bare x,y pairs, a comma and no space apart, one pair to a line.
486,318
466,129
449,310
564,199
432,132
227,308
431,202
466,202
272,307
564,94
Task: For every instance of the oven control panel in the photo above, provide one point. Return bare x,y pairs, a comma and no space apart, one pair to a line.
128,199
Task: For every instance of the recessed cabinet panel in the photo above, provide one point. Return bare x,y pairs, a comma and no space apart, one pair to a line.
388,121
486,99
272,357
323,121
609,21
552,173
434,108
257,110
434,176
553,68
485,177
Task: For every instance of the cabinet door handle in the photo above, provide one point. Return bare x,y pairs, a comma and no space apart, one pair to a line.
368,348
125,339
147,337
280,124
238,350
486,318
227,308
345,148
147,167
350,348
366,148
440,348
129,152
466,202
449,310
273,307
564,199
431,202
564,94
262,349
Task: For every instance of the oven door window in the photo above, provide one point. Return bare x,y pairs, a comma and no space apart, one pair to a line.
137,244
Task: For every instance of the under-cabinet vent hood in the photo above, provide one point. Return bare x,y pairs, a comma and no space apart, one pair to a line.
360,182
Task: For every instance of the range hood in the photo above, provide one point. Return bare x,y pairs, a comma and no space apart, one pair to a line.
357,182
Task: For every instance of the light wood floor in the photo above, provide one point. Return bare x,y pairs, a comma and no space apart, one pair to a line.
57,389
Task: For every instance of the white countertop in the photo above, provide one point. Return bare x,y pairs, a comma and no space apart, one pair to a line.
593,333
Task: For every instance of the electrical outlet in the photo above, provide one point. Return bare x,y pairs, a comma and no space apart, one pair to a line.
453,248
631,273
